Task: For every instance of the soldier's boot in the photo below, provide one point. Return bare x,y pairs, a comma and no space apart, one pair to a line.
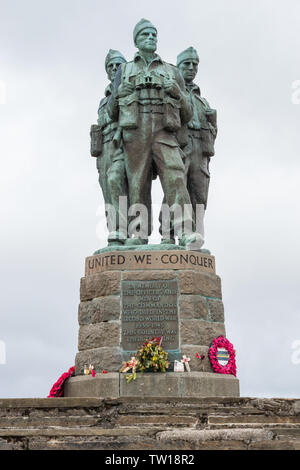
191,241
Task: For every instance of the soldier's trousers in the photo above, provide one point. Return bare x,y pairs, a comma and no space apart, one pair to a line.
151,143
198,176
197,180
113,182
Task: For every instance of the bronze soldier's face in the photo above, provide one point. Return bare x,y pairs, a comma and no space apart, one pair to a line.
146,40
189,69
112,68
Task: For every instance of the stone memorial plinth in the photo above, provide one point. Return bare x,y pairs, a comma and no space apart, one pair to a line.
129,297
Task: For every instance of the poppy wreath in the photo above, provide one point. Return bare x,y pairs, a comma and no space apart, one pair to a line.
57,389
230,367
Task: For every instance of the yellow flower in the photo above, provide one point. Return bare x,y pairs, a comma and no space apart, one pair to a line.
154,358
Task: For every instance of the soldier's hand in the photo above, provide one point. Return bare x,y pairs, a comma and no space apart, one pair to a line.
125,89
172,88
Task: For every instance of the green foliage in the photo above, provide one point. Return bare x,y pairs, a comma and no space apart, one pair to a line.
151,357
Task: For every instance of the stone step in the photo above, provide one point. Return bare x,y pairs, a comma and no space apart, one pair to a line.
278,427
192,409
77,431
257,419
146,444
169,385
157,420
150,423
42,421
40,403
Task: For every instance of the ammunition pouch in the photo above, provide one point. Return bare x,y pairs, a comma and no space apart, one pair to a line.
171,119
103,118
129,113
211,117
108,132
208,137
96,140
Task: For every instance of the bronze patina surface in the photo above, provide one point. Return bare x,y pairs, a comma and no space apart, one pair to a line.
153,122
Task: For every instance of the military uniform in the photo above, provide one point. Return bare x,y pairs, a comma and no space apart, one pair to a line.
149,118
106,146
196,138
111,168
200,147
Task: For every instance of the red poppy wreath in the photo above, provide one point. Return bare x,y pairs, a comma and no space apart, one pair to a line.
57,389
222,356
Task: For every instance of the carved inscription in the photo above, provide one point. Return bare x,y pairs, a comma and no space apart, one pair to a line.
173,259
149,308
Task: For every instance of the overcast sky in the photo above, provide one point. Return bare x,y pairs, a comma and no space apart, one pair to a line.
51,79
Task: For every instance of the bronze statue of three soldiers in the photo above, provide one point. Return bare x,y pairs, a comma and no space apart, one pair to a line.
153,122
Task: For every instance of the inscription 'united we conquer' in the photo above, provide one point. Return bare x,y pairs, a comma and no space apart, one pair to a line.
173,259
149,308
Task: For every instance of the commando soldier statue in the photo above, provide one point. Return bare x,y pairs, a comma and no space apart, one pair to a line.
106,146
201,132
150,104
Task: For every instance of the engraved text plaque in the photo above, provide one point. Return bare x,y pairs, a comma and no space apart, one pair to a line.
149,308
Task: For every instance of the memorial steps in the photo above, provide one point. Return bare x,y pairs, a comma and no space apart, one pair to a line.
148,424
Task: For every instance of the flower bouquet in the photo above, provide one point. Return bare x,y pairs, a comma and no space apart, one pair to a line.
150,357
